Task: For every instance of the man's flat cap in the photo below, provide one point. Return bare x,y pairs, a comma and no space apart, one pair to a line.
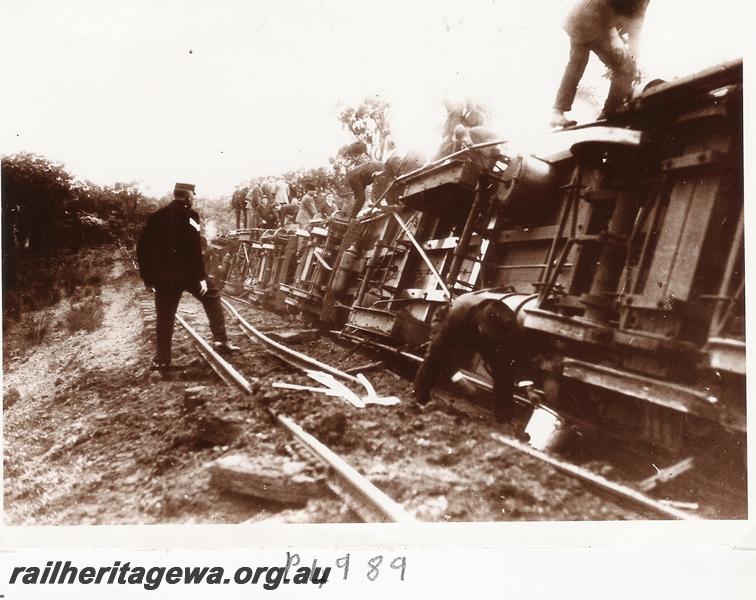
184,187
495,319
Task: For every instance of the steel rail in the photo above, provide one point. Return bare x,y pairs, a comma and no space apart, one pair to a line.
622,491
220,365
355,490
380,507
294,358
617,489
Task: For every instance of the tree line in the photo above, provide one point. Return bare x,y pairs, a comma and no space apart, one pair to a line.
49,217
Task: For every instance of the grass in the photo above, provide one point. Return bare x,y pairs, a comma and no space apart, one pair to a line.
85,315
35,328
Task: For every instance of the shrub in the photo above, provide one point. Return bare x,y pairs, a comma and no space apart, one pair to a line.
35,328
10,397
86,315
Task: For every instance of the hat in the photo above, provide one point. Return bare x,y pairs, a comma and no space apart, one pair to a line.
495,319
184,187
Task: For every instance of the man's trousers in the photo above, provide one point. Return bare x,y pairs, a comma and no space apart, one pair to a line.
167,297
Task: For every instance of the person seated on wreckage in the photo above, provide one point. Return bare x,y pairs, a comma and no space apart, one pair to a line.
469,113
397,165
467,137
473,323
267,217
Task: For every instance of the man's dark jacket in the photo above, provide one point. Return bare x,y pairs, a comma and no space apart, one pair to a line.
239,198
169,247
362,175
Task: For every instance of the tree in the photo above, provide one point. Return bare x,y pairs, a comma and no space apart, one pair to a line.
35,195
369,122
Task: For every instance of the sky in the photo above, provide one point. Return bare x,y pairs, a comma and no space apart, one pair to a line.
214,93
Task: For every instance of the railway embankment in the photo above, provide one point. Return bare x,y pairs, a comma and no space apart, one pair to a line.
93,436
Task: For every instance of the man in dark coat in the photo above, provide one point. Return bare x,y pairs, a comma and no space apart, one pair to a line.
169,251
267,216
239,204
287,213
359,179
598,26
475,322
254,195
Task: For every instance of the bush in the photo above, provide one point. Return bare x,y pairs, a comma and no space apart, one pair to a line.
10,397
48,219
86,315
35,328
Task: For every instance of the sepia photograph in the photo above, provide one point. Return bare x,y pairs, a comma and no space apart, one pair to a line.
344,262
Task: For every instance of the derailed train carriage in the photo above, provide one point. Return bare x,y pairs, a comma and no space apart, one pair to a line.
620,246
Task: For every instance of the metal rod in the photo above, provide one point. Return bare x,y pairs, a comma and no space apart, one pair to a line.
423,255
534,266
546,275
464,240
721,311
363,368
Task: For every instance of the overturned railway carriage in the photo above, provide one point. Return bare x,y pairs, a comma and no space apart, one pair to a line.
619,245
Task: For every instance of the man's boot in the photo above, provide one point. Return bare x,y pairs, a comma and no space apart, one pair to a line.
224,347
558,120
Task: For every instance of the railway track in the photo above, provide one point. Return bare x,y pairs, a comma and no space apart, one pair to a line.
357,492
629,492
624,491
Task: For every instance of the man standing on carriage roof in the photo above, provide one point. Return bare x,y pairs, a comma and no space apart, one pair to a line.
169,252
307,207
239,204
600,26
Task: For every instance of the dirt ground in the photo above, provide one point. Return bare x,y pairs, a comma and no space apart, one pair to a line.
93,436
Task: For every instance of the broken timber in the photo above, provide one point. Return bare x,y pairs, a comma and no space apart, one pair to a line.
243,475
